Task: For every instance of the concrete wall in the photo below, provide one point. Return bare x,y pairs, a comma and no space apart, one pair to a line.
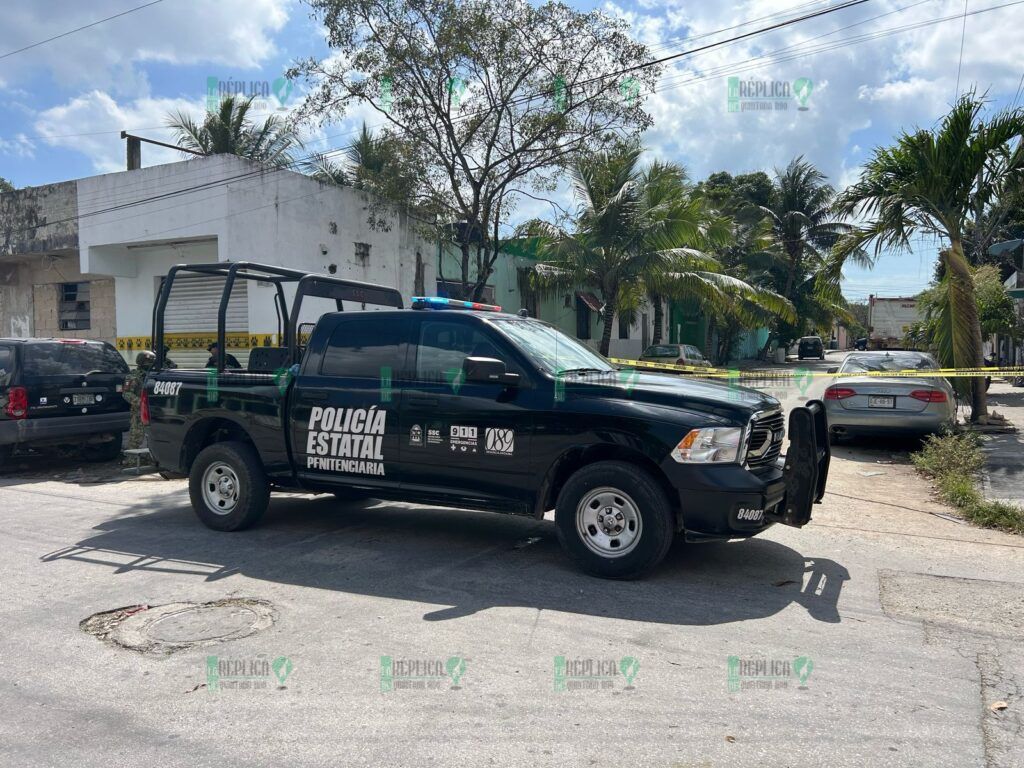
243,213
38,220
38,247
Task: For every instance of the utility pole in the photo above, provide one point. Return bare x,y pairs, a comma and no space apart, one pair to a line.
134,149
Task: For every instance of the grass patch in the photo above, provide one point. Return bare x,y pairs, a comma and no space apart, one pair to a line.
953,462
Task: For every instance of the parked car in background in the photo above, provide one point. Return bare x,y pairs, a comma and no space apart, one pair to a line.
62,393
811,346
861,343
675,354
863,401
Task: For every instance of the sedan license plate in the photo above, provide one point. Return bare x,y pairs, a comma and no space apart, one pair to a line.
881,401
83,399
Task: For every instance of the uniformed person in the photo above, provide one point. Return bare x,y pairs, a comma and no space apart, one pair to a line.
133,385
230,361
168,363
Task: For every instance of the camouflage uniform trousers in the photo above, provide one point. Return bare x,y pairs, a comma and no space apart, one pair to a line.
132,393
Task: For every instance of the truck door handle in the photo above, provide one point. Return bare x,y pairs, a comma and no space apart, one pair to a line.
421,401
316,395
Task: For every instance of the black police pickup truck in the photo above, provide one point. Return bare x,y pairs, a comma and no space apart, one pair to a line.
460,405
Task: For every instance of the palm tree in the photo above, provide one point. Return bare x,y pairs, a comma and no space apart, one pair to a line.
805,226
640,231
938,182
229,131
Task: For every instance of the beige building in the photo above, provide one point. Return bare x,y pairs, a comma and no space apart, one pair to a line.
42,289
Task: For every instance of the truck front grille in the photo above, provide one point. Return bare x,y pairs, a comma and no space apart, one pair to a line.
766,433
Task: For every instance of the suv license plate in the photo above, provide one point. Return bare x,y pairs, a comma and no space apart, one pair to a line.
83,399
877,401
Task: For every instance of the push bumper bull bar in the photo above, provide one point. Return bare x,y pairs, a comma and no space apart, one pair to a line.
805,465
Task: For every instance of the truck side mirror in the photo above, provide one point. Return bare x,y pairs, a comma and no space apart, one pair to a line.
833,370
488,370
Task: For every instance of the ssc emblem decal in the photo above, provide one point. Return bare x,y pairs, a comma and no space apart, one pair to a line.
500,441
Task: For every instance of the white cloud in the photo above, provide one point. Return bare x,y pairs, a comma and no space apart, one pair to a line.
18,145
230,33
84,124
863,94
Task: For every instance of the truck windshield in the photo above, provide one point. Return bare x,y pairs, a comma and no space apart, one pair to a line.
549,348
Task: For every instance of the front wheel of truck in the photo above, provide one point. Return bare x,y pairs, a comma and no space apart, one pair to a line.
228,487
614,520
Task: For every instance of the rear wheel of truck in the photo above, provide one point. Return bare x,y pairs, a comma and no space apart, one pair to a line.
614,520
228,487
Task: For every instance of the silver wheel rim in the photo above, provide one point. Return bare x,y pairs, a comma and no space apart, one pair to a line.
608,522
220,488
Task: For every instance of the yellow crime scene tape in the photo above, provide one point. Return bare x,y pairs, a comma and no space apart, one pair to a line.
763,374
235,340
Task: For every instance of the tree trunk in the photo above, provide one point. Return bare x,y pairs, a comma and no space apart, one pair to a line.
968,351
464,248
659,317
609,317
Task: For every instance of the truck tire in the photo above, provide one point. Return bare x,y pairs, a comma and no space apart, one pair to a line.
614,520
228,487
108,450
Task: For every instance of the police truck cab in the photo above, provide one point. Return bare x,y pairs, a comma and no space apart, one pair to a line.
458,404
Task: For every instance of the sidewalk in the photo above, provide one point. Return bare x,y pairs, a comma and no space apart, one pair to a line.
1004,470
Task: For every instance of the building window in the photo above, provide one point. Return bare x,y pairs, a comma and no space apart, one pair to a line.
363,252
623,326
73,306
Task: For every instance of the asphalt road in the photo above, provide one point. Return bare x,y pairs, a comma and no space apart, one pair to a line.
902,624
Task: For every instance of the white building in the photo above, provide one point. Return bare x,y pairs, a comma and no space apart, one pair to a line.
86,258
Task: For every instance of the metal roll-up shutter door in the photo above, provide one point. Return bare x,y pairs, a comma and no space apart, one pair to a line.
190,319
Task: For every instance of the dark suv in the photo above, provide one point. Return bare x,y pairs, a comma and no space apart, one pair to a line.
811,346
62,393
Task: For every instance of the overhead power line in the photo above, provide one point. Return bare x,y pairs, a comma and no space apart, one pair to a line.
262,172
78,29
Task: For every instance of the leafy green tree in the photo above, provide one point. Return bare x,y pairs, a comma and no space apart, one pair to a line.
995,306
230,131
748,256
857,323
5,185
639,231
376,164
805,227
936,182
492,99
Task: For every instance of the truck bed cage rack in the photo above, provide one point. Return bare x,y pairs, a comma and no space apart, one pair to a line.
307,284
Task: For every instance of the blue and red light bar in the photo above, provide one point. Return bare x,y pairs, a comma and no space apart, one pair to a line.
440,302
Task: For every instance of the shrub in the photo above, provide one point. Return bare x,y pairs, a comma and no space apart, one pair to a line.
954,461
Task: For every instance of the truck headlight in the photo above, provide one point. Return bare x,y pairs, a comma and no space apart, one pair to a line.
713,445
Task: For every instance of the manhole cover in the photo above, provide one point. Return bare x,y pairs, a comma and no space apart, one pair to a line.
172,627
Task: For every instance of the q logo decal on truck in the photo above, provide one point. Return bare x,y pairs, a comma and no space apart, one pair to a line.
346,440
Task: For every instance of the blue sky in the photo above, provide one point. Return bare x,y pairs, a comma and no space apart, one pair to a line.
63,104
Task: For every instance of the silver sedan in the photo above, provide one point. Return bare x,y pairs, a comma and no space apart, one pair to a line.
861,404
